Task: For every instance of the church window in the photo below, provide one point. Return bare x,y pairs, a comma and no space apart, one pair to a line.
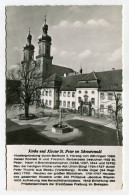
39,49
92,92
86,92
79,92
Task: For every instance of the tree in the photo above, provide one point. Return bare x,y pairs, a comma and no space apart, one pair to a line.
28,76
115,104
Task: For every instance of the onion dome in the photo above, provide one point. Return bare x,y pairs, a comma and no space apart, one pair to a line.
44,36
29,45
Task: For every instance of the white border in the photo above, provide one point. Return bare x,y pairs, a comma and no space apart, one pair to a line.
126,88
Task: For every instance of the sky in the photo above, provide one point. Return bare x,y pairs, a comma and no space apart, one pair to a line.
87,37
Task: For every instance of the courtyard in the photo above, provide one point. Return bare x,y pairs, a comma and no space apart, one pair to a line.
90,130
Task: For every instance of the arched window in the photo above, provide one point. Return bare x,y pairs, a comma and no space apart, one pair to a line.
46,93
102,95
50,93
79,99
64,94
92,92
93,101
68,94
79,92
64,103
50,102
68,104
73,94
110,96
85,98
73,104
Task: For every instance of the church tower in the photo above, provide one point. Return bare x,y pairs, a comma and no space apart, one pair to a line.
28,52
44,58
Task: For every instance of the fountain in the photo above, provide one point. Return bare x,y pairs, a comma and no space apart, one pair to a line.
61,128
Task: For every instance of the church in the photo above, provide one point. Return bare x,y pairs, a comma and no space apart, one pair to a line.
44,58
62,87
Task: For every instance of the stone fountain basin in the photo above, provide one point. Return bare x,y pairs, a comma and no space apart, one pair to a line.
57,129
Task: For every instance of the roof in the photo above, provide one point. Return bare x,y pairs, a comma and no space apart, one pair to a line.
110,80
69,83
53,81
104,81
89,77
54,77
60,70
87,84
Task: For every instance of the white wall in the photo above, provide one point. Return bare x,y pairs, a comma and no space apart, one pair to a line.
106,102
66,98
48,98
89,94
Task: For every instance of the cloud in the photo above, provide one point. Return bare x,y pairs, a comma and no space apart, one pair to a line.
116,55
65,53
64,23
98,23
92,23
78,24
85,54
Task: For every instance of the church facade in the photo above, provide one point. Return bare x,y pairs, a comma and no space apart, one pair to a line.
61,87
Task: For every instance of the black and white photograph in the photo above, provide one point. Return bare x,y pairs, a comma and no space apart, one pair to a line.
64,75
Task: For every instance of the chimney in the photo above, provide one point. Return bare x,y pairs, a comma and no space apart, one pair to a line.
81,71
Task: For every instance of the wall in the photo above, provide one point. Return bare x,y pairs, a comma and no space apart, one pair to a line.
106,102
67,99
48,97
89,94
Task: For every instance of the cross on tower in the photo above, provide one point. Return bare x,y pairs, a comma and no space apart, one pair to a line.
45,18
